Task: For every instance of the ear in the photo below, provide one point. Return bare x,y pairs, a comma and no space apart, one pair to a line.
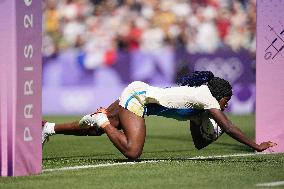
220,100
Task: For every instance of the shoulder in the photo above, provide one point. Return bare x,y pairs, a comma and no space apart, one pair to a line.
138,83
204,89
204,94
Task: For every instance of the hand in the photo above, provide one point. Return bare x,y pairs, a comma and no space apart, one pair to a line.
101,119
98,119
265,145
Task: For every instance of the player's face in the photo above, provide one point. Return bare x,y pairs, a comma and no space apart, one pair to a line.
224,103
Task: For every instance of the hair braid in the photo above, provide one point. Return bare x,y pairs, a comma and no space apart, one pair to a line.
218,87
196,79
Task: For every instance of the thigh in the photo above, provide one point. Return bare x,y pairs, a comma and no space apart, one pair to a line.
133,127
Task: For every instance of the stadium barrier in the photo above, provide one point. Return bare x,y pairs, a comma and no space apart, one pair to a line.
270,73
20,87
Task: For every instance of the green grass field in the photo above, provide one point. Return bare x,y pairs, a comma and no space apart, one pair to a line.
169,161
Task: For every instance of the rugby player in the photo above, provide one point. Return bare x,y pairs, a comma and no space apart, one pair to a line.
200,98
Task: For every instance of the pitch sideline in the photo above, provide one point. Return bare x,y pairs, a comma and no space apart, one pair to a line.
150,161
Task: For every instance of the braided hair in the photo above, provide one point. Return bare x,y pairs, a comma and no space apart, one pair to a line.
218,87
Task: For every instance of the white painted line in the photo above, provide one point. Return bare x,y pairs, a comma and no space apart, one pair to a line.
100,165
220,156
150,161
277,183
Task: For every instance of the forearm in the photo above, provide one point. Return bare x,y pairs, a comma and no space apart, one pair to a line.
232,130
237,134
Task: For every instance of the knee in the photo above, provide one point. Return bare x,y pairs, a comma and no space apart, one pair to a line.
133,154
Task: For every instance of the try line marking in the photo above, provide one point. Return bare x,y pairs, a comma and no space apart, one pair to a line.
149,161
277,183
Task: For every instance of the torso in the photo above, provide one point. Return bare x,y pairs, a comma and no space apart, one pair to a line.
181,102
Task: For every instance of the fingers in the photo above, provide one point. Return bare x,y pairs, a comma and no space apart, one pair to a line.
101,110
267,146
271,144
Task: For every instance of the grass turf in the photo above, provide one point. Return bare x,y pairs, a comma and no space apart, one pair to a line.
167,140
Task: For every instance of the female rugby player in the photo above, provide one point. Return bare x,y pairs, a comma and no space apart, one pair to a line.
123,121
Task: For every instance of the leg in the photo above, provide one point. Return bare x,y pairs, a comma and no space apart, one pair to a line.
49,129
74,129
130,142
70,129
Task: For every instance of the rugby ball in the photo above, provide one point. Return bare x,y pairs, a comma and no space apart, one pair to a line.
209,128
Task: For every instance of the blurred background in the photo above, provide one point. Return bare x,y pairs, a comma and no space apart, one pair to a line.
92,49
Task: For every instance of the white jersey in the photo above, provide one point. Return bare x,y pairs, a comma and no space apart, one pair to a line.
182,97
137,95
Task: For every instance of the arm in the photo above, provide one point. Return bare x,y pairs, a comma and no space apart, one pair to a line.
236,133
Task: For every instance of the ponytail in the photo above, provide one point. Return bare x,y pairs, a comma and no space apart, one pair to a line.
218,87
197,78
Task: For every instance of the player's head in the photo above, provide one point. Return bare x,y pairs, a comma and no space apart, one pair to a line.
221,89
218,87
